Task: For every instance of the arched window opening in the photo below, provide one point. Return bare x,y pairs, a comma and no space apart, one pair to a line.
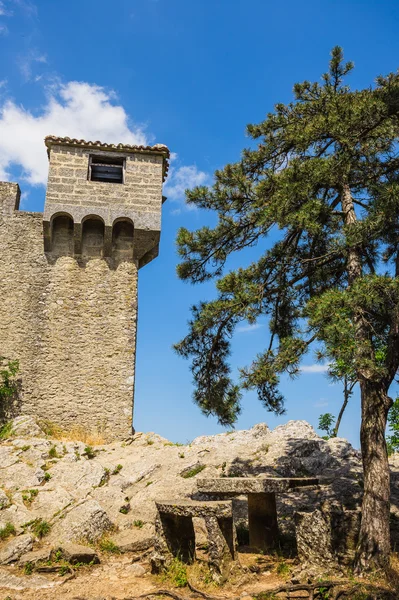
122,240
62,236
93,238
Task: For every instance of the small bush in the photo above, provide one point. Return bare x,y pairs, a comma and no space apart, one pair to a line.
107,545
138,523
28,570
117,469
148,483
6,431
89,452
192,472
28,496
7,531
283,569
41,528
124,509
47,476
25,448
176,573
181,455
53,452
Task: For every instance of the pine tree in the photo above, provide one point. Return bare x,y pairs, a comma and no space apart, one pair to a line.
324,178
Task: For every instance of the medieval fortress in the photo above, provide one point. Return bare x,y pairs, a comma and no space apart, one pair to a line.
68,281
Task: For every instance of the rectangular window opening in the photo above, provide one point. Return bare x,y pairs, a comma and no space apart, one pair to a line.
106,169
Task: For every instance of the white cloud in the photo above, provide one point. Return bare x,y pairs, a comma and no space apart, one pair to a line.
75,109
3,30
182,178
248,328
314,368
321,404
27,61
4,12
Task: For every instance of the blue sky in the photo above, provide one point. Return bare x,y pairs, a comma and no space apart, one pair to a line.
190,75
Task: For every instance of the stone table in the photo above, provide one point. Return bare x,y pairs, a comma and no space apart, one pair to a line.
261,493
175,536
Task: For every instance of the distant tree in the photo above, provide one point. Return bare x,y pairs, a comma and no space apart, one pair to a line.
324,180
342,370
393,421
326,422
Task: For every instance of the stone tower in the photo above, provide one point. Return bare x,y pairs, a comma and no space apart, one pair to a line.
68,282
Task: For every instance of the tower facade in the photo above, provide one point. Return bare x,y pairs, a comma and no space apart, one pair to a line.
68,282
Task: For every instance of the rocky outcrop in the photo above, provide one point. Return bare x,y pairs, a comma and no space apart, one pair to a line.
84,494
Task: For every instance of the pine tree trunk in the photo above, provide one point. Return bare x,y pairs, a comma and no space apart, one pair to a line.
374,542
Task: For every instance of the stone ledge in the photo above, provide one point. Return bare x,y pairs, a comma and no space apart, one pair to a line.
253,485
191,508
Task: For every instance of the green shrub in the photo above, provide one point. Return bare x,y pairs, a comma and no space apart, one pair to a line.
28,496
28,569
25,448
107,545
7,531
176,573
53,452
47,476
89,452
41,528
138,523
193,472
6,431
117,469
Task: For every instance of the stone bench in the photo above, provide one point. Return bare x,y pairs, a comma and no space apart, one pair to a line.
175,536
261,494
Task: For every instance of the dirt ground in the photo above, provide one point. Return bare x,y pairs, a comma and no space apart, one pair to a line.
116,579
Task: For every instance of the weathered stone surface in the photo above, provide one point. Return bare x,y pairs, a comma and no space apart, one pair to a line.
15,548
79,479
134,540
4,500
256,453
35,556
135,570
251,485
18,583
328,535
190,508
58,308
85,522
26,426
76,553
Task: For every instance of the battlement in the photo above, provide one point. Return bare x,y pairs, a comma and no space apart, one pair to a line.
104,200
10,196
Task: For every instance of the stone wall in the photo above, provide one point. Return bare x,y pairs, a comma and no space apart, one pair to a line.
71,324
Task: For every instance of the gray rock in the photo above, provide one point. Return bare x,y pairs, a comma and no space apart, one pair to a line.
134,540
36,556
135,570
75,553
36,582
26,427
15,548
4,500
88,521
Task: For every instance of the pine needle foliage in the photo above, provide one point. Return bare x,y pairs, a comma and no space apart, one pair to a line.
308,150
324,181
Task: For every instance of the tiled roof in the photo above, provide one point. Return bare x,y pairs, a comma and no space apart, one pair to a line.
160,149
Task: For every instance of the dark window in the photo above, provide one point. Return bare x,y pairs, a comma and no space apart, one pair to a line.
106,169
